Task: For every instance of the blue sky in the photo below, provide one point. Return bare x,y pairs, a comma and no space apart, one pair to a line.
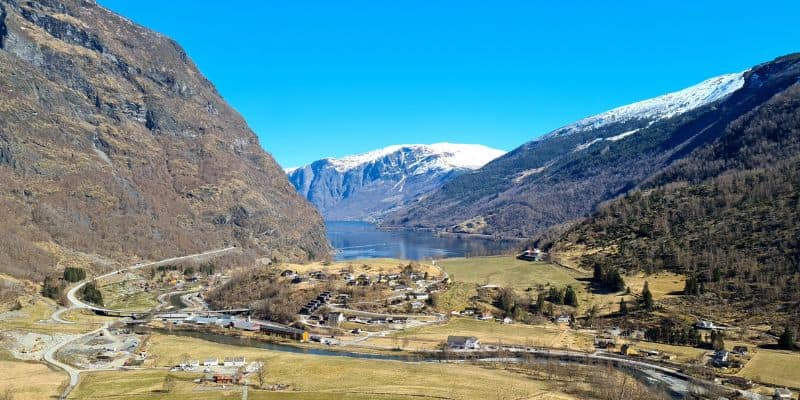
331,78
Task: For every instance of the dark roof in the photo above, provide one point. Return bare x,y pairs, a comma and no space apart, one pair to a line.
461,339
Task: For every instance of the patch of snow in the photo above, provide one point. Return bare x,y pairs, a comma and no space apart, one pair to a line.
528,172
438,156
584,146
662,107
622,135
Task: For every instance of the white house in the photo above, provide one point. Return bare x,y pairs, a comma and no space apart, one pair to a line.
463,343
782,394
234,362
210,362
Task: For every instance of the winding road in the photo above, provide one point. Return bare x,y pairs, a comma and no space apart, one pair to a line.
76,303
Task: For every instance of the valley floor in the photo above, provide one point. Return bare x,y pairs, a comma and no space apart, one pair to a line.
309,376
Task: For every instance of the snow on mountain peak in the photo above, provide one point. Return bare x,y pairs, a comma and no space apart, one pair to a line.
661,107
443,156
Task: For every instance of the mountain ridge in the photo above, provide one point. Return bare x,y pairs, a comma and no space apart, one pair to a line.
564,175
367,186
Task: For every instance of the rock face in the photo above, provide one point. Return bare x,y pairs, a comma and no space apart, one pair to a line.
113,143
368,186
564,175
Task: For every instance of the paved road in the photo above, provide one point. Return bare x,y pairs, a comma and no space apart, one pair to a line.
75,303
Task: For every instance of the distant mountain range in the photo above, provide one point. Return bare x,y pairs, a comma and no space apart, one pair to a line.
370,185
565,174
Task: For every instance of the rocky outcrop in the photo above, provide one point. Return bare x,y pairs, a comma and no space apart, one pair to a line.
113,143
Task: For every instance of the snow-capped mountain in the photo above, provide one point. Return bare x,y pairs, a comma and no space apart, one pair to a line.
565,174
661,107
369,185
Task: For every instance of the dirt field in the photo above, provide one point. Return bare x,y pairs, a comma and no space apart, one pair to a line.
507,272
489,332
775,367
315,377
369,267
30,380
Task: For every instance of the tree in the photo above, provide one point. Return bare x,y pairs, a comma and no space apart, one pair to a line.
261,373
570,297
540,303
555,296
51,288
615,281
787,339
508,299
72,274
717,340
91,294
623,307
647,297
592,315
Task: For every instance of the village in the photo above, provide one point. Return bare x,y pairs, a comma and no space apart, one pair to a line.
448,311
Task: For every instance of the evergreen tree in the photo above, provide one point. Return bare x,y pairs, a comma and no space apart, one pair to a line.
787,339
615,281
91,294
717,274
598,273
570,297
74,274
647,297
623,307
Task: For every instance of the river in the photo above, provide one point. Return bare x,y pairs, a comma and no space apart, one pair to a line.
359,240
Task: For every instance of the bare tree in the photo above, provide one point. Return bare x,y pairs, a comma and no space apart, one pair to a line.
261,373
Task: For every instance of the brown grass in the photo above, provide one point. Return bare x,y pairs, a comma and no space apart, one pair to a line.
31,380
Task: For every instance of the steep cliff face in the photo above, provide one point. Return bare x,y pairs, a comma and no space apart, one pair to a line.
370,185
113,143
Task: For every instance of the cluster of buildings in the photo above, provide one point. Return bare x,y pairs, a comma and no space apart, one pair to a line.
231,322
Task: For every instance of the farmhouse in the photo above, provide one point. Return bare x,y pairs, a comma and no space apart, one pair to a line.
463,343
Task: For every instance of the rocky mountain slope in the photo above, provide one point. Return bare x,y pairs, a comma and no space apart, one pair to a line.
368,186
727,215
113,144
564,175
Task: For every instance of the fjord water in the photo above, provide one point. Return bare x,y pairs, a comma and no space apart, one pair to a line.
357,240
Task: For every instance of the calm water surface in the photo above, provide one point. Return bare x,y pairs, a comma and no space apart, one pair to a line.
355,240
